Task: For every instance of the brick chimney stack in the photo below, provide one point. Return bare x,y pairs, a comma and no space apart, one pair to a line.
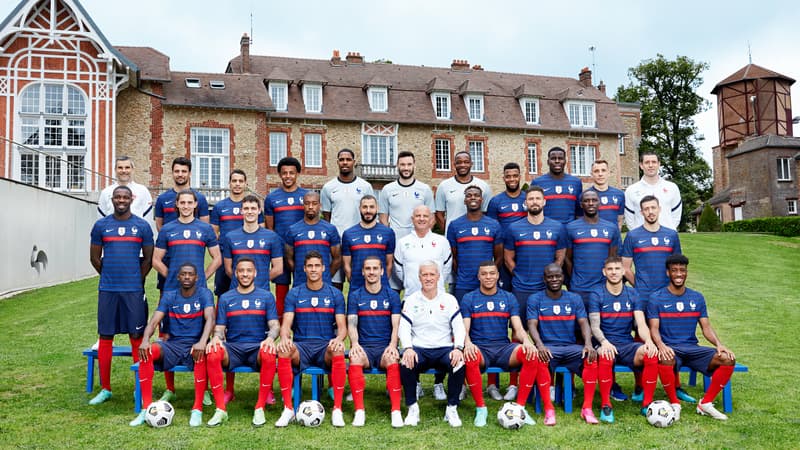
245,53
585,77
354,58
460,65
477,67
602,87
336,60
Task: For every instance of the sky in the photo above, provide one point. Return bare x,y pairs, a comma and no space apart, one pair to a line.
527,36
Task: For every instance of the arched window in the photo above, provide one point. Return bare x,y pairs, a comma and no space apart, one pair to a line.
52,125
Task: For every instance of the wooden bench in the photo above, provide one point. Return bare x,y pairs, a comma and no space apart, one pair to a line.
91,356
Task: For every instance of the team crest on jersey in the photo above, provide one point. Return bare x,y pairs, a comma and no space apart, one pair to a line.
314,301
490,306
386,304
257,303
290,200
628,306
380,238
556,309
358,190
605,232
262,243
134,230
245,304
615,199
121,231
373,304
604,200
197,306
570,189
502,305
679,306
187,308
536,235
617,306
236,210
514,207
323,234
327,301
250,243
187,234
367,238
549,234
416,194
311,234
568,309
692,305
474,231
654,240
666,241
593,232
558,189
486,230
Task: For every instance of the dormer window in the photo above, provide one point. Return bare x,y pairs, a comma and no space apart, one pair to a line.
193,83
474,104
278,92
441,105
530,110
581,114
378,98
312,97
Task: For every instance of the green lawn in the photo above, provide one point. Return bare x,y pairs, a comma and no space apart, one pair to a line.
750,281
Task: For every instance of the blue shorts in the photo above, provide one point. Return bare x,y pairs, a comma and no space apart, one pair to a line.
694,356
522,300
459,293
312,354
626,353
569,356
374,354
121,313
222,282
505,279
498,355
243,354
175,352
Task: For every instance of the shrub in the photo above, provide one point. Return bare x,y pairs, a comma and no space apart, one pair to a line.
782,226
709,220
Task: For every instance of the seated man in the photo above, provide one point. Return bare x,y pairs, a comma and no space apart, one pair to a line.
487,312
553,317
373,314
614,309
312,334
247,321
673,313
191,314
432,333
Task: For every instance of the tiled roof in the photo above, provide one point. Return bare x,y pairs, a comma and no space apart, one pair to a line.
242,92
750,72
153,65
766,141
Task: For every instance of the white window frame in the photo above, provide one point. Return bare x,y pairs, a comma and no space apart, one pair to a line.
308,100
312,150
477,150
531,117
581,114
532,156
446,112
210,153
581,158
378,98
379,144
441,154
279,93
784,169
621,144
791,207
468,100
278,146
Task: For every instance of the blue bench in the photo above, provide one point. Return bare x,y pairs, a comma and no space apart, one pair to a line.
91,355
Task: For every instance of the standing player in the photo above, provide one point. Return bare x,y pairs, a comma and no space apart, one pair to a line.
366,238
116,242
473,237
247,322
312,234
191,313
421,245
340,197
373,315
487,312
166,209
553,317
312,334
560,189
612,200
450,193
142,202
667,193
508,207
674,313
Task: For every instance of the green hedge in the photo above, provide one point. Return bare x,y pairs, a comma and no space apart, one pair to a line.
782,226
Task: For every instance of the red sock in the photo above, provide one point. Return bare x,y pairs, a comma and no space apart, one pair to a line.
280,294
338,378
475,381
214,367
135,343
200,382
589,376
104,351
169,380
493,378
393,385
266,375
648,379
719,379
230,378
605,372
146,372
513,379
667,375
543,382
527,377
357,384
286,379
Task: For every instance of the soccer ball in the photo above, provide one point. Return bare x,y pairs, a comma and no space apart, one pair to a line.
159,414
660,414
511,416
310,413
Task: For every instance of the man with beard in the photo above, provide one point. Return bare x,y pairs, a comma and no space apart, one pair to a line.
508,207
367,238
166,209
561,190
312,234
450,193
667,193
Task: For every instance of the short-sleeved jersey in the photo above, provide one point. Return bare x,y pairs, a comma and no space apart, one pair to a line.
227,215
616,312
142,200
122,241
314,312
678,315
474,243
506,209
558,319
561,196
246,316
261,245
612,204
185,314
399,201
286,208
535,247
304,238
359,243
167,210
590,244
342,199
185,242
649,251
450,197
489,316
374,313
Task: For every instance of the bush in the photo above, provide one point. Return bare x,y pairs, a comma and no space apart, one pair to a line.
782,226
709,220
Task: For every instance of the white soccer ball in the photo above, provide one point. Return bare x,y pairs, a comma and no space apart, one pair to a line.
511,416
660,414
159,414
310,413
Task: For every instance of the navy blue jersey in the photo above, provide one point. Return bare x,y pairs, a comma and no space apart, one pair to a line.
227,215
261,245
616,312
359,243
507,210
612,204
561,196
185,242
314,312
185,314
558,319
286,209
374,313
122,242
489,316
535,247
167,210
650,251
303,237
246,316
678,315
474,243
590,245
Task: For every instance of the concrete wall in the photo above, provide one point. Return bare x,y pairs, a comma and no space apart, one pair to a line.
55,224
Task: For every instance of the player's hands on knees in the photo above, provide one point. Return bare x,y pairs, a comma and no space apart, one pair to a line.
198,351
336,345
356,351
650,348
589,353
544,354
723,352
389,354
144,351
285,345
607,350
409,358
456,357
214,345
665,353
529,350
470,352
268,344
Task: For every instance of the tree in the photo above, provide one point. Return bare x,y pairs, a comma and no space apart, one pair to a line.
666,90
709,220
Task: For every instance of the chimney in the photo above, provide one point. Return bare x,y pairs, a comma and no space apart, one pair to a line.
245,53
460,65
336,60
477,67
585,77
602,87
354,58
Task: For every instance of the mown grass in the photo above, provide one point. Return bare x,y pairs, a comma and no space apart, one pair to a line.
750,281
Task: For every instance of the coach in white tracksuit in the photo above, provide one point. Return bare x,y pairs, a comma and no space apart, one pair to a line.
421,245
667,193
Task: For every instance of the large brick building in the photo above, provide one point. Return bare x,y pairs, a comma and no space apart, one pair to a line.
75,101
